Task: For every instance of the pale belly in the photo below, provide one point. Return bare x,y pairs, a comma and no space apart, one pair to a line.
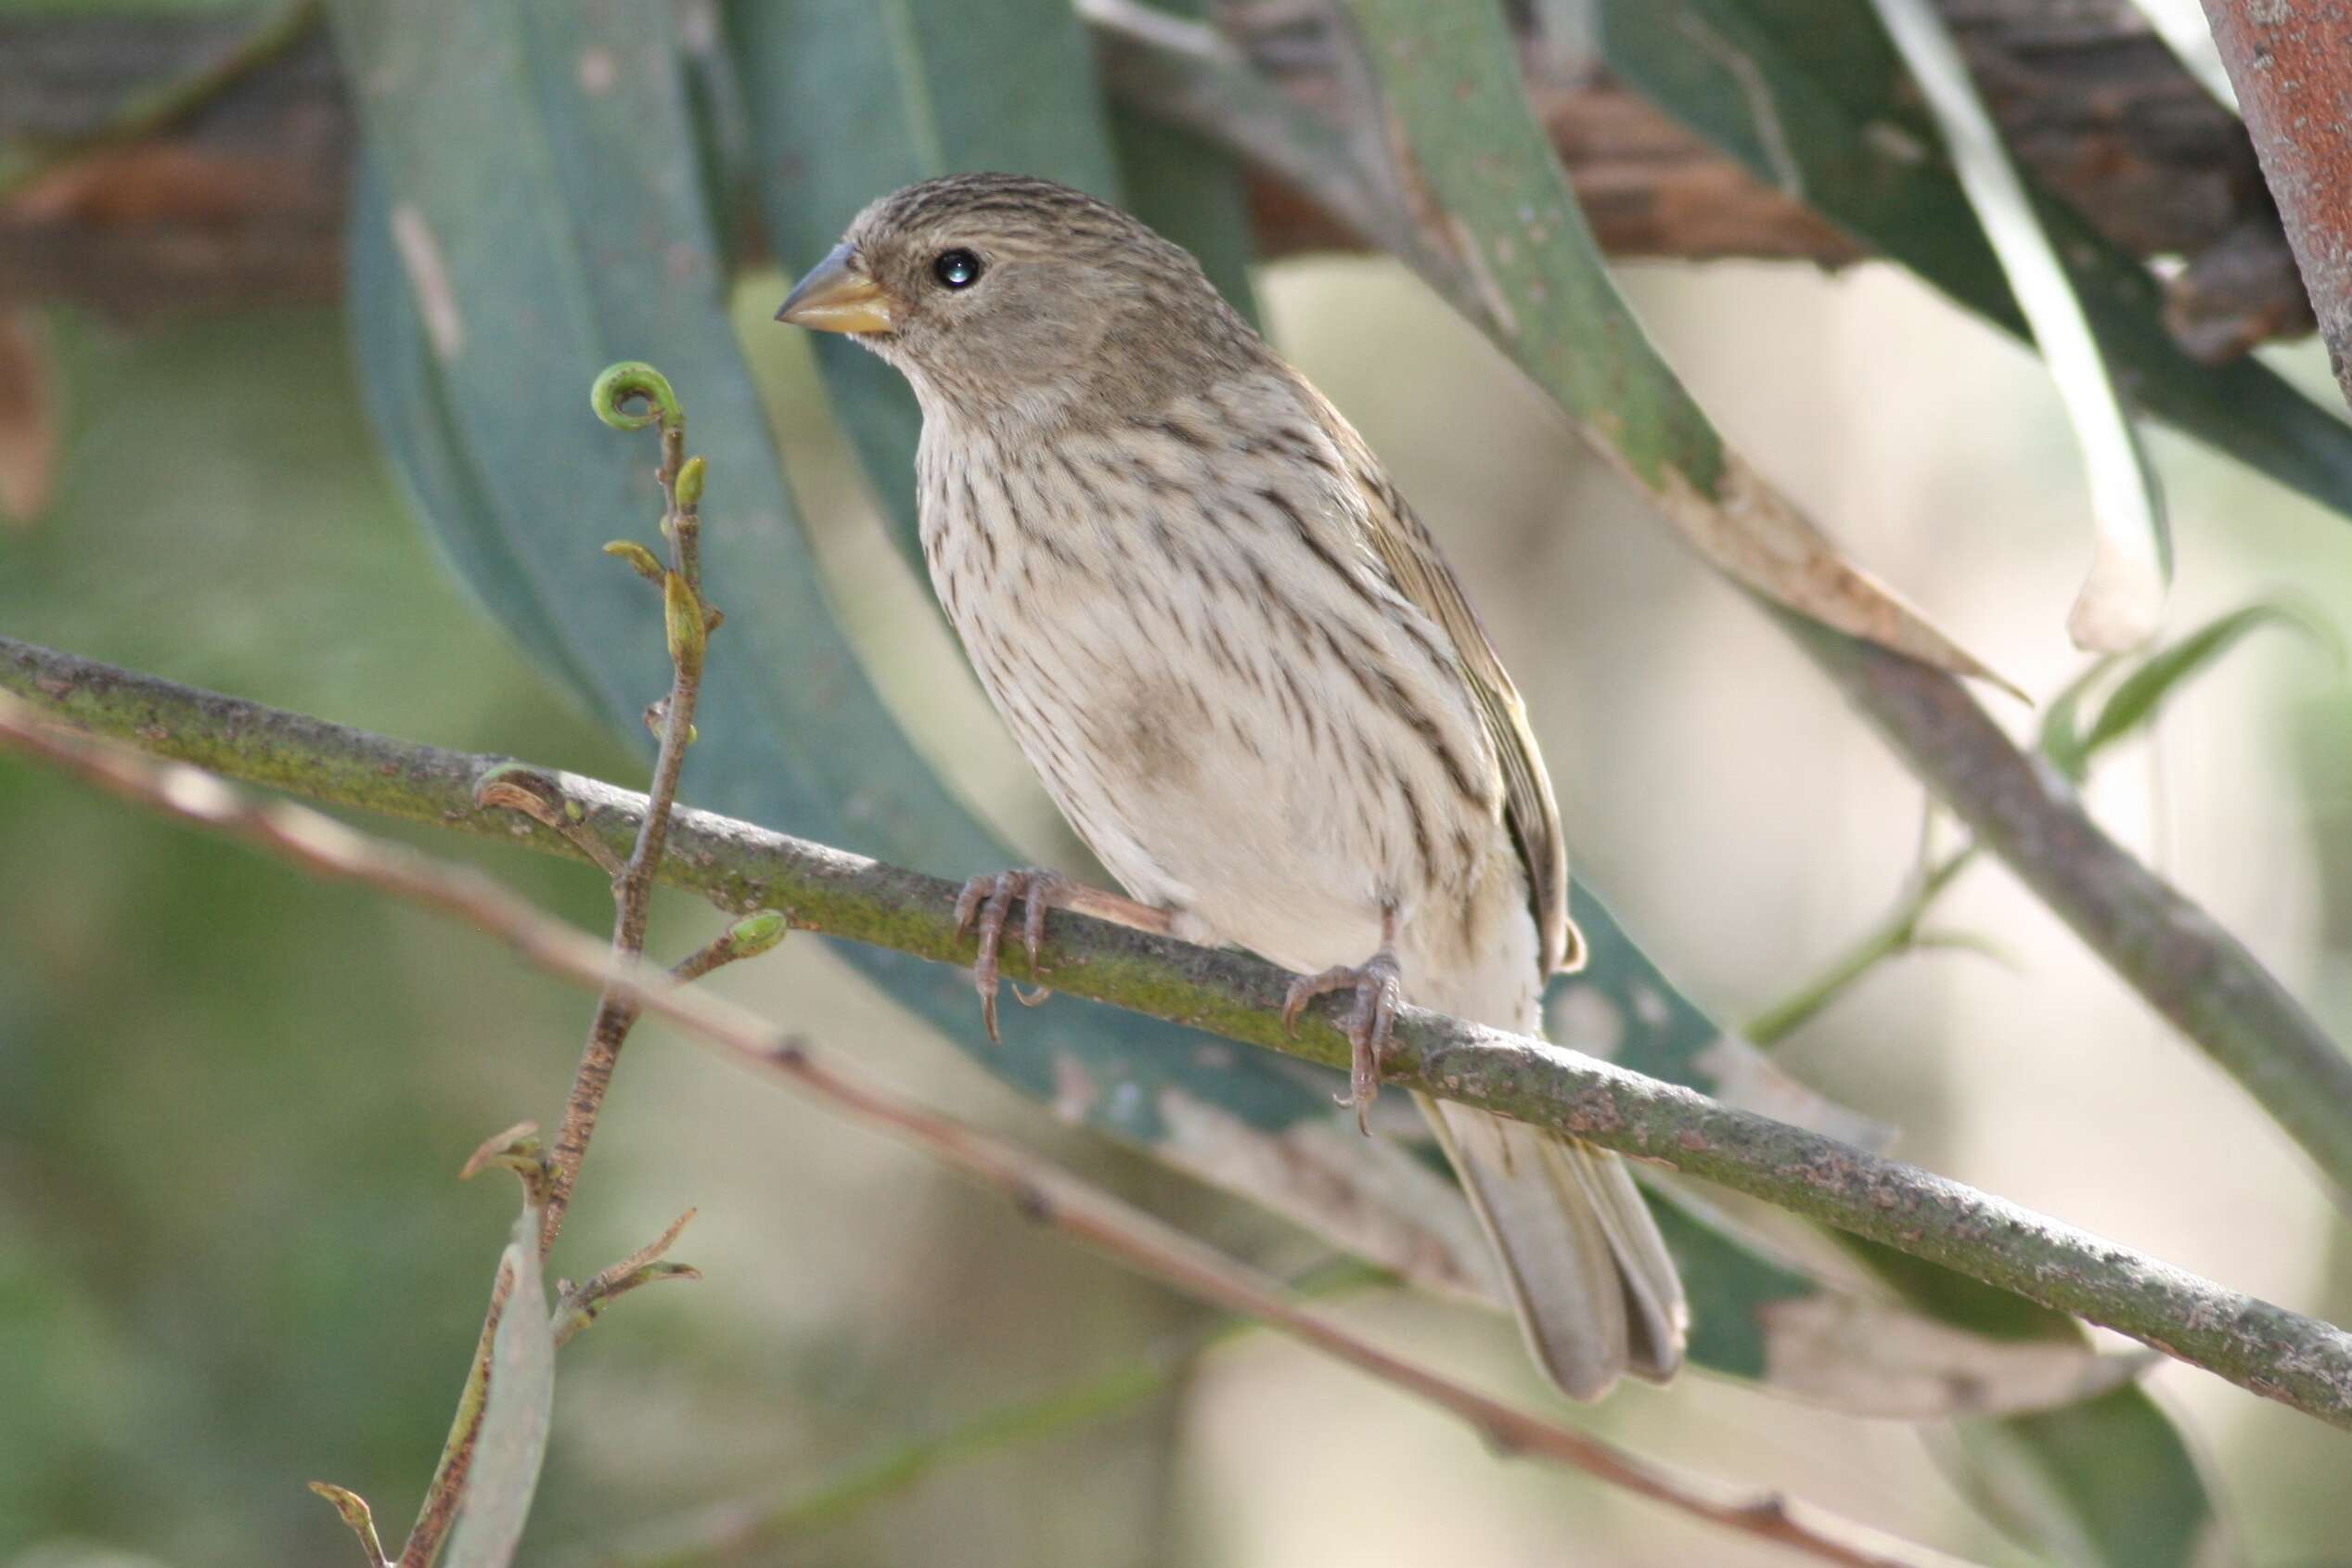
1261,797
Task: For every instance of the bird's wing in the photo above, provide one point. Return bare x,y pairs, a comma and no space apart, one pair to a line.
1419,572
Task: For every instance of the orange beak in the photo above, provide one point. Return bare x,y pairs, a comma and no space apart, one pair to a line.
837,296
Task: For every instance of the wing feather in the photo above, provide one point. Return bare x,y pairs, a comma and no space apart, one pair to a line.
1419,572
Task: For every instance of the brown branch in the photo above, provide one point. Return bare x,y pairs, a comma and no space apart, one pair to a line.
243,203
2280,1355
2291,63
1040,1190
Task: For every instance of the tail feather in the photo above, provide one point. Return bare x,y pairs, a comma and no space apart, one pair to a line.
1596,1291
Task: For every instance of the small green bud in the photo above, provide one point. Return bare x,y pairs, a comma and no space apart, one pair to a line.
755,934
691,484
648,566
635,381
682,616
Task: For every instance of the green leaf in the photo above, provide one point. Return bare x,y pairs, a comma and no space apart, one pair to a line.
580,243
519,1393
2106,1484
1810,96
2061,735
2141,696
2131,560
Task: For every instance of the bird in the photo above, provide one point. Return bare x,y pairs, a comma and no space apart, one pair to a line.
1248,678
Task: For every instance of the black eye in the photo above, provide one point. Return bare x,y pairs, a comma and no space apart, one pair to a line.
955,269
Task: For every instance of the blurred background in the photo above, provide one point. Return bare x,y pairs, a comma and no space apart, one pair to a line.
233,1258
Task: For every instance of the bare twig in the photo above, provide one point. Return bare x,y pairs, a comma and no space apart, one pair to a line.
1039,1190
579,1306
2280,1355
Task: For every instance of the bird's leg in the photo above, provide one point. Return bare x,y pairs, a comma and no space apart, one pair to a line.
1379,985
986,905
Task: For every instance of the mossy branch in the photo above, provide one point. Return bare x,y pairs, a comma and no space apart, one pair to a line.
2296,1360
1039,1190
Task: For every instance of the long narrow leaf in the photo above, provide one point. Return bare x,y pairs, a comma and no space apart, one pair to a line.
2131,562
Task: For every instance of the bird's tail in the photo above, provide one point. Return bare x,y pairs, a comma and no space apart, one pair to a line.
1595,1290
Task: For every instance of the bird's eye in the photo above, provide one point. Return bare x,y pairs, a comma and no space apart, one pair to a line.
955,269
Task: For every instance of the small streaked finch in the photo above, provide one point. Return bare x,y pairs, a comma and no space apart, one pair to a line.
1247,678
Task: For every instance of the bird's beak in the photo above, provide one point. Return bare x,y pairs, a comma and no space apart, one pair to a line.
837,296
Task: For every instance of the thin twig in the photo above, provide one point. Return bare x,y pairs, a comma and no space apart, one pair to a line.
726,1531
633,891
1039,1190
1898,932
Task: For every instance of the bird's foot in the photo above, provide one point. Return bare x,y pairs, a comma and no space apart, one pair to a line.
985,905
1378,986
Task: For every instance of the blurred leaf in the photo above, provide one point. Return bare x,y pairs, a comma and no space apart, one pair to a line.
2141,694
518,1399
1188,188
1810,96
2106,1484
2185,33
2123,599
522,485
2060,738
850,99
1858,1351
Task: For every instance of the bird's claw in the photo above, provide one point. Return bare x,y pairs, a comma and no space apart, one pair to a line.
1380,989
985,905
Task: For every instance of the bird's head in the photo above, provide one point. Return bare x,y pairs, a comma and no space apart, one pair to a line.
1002,298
